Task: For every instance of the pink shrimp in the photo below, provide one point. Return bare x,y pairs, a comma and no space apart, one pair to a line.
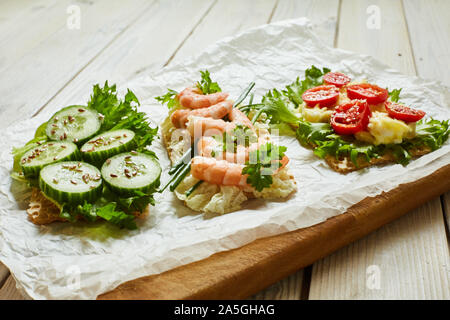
219,172
222,172
238,117
217,111
199,126
207,147
193,98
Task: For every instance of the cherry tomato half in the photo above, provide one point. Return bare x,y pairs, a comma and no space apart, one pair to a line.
324,95
370,92
351,117
402,112
336,78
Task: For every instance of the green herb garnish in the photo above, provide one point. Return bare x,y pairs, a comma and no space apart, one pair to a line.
313,78
206,85
169,99
262,165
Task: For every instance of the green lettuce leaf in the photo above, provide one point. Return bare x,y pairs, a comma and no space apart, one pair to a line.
431,133
313,78
122,114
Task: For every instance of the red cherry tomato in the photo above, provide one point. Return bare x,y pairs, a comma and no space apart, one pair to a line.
351,117
324,95
370,92
402,112
336,78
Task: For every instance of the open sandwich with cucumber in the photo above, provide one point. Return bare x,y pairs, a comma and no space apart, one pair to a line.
350,124
91,162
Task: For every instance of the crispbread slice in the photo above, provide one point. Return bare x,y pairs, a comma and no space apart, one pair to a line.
345,165
43,211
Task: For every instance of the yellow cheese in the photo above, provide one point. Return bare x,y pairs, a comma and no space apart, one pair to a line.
382,129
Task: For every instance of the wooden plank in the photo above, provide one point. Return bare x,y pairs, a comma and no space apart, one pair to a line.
399,261
431,52
45,67
17,37
429,30
241,272
142,48
411,254
226,18
389,43
289,288
3,274
446,207
9,291
323,15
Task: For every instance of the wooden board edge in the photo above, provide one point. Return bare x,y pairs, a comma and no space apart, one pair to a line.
241,272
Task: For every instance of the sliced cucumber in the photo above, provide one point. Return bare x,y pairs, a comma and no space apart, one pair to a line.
36,158
108,144
73,123
130,172
71,182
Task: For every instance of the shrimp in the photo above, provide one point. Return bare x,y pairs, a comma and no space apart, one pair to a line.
238,117
210,147
217,111
199,126
219,172
222,172
193,98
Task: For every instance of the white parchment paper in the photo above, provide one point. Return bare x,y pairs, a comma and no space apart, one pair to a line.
81,261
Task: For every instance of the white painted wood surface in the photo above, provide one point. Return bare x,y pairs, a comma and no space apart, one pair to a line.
52,66
416,243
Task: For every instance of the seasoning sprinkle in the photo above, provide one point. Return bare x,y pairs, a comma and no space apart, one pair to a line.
113,175
73,182
81,110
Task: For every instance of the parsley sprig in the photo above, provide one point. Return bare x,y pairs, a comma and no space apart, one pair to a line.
168,99
262,164
206,85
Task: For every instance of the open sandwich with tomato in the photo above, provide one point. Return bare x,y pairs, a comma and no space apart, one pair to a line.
351,124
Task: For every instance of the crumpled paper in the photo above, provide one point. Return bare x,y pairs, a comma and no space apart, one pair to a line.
81,261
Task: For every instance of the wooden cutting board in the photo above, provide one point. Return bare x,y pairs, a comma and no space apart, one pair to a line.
239,273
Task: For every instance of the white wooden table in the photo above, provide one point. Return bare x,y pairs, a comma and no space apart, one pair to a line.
46,61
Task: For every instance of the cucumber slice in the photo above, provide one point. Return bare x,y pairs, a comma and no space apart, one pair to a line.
36,158
71,182
106,145
127,173
73,123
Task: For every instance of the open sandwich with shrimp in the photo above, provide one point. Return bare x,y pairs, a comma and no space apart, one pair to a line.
91,163
350,124
219,157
